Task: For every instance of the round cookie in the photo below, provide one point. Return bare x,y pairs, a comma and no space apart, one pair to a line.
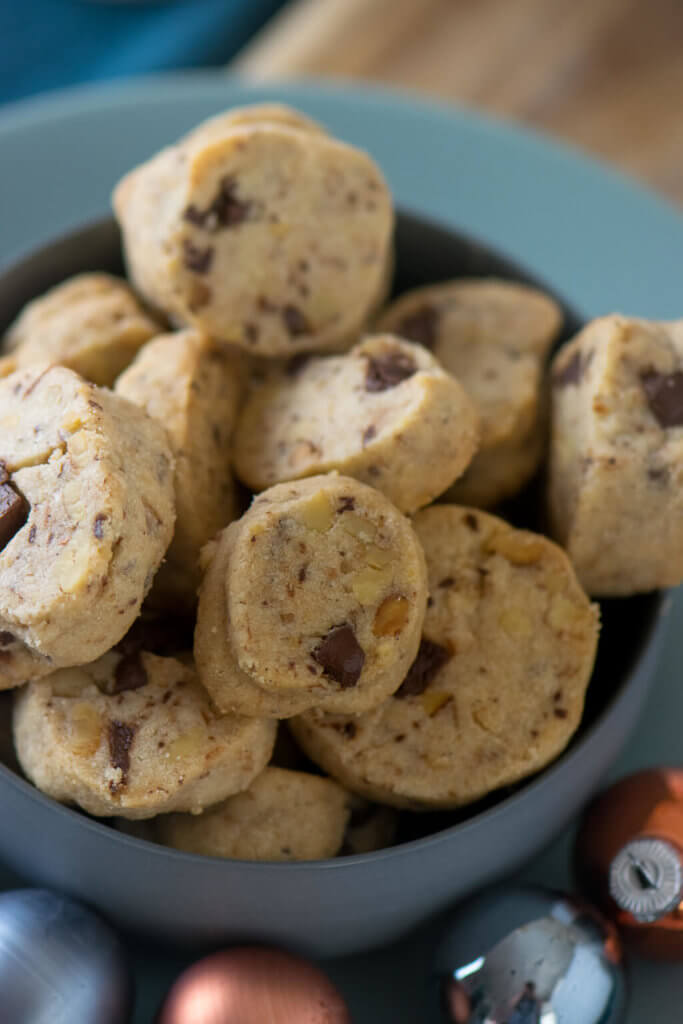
257,113
86,514
282,816
498,686
193,387
615,475
268,236
314,598
384,413
135,735
91,323
494,336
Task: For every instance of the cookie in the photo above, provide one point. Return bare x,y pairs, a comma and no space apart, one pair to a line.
314,598
193,387
371,827
257,113
384,413
86,514
497,688
282,816
135,735
616,455
91,323
265,235
494,336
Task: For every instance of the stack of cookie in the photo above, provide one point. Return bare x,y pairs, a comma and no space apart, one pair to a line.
158,622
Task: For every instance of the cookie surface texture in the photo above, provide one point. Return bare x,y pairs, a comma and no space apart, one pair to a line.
86,514
193,387
494,336
92,323
616,455
384,413
266,235
497,688
135,735
315,597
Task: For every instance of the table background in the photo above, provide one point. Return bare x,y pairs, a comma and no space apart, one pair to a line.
604,74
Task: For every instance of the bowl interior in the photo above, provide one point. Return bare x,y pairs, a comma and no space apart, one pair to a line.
425,253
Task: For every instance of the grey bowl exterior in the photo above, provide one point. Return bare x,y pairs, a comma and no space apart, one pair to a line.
338,906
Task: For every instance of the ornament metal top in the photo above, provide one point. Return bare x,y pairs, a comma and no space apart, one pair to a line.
629,858
526,955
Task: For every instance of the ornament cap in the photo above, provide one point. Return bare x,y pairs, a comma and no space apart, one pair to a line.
646,878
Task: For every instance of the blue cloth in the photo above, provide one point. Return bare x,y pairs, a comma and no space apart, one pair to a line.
46,44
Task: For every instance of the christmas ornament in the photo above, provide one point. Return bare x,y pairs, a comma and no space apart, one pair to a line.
527,955
254,985
629,858
59,963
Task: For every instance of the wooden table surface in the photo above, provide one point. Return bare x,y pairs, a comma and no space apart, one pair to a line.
606,75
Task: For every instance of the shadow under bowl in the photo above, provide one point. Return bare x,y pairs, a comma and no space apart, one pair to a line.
340,906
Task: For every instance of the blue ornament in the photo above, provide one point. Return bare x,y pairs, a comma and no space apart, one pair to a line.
59,963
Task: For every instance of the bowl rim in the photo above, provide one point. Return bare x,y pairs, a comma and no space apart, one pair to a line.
525,788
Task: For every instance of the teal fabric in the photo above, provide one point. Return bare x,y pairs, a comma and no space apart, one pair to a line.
46,44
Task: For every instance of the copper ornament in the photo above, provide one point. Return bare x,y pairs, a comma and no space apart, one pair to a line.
629,858
253,985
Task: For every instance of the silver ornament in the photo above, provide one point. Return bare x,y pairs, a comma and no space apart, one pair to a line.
59,963
526,955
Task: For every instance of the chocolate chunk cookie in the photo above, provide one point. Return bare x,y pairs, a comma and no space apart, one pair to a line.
497,687
616,454
268,235
314,598
282,816
494,336
92,324
86,514
385,413
135,735
193,387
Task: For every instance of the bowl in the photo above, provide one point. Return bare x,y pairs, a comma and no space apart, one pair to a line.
333,907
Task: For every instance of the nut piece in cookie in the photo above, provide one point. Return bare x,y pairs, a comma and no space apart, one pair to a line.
385,413
92,323
86,514
497,688
615,493
193,387
134,734
283,816
314,598
494,336
264,233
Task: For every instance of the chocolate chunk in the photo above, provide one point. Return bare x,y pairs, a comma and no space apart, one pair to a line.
659,474
130,674
98,525
346,503
120,738
196,259
6,638
430,658
295,322
560,713
573,371
297,363
302,573
447,581
369,433
664,392
14,510
420,326
387,371
165,636
224,211
341,656
471,521
251,333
